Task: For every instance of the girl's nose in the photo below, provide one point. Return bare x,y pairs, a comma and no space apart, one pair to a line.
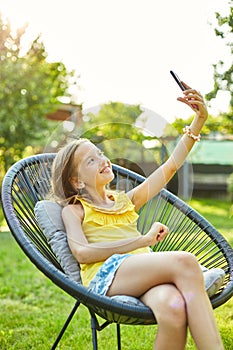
104,161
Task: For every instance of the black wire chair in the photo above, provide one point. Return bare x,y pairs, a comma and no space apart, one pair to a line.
28,181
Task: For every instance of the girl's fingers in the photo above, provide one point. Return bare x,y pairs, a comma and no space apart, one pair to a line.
185,85
192,93
192,98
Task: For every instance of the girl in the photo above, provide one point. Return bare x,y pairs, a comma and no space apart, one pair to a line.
114,258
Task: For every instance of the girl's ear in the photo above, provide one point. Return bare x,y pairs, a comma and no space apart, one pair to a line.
76,184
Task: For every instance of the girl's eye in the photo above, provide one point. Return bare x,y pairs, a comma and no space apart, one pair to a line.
91,161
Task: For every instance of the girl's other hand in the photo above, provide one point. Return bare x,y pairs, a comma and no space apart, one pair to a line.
156,233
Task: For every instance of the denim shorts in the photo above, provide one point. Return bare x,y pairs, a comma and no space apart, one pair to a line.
104,277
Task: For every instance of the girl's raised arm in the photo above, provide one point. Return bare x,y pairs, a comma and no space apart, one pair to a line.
161,176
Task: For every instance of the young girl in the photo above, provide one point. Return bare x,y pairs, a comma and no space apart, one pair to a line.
115,258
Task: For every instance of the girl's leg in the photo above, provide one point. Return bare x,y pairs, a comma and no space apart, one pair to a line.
168,305
139,273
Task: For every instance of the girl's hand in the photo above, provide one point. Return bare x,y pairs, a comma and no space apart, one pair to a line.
195,101
156,233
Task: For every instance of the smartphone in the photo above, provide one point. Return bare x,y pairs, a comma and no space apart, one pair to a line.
183,88
177,79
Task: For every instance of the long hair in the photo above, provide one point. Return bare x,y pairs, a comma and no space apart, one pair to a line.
62,169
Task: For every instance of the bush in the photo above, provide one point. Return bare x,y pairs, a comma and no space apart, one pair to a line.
2,220
230,186
230,191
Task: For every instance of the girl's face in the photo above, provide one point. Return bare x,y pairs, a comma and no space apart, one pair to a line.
92,167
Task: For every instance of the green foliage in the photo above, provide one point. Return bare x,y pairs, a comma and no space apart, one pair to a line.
113,129
214,125
113,120
30,88
230,184
223,76
230,191
223,80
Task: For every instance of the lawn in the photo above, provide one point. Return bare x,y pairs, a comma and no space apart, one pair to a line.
33,309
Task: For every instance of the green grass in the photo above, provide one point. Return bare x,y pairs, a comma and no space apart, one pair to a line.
218,213
33,309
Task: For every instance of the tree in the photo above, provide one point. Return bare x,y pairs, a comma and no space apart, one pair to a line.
223,76
214,125
30,88
223,81
113,120
113,128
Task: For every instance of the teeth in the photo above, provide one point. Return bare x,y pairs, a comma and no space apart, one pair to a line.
103,170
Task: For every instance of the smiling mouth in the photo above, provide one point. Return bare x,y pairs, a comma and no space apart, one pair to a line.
106,169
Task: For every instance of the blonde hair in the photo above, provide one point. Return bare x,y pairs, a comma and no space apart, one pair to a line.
62,170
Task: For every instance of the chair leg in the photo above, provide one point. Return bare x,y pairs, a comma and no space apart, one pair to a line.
94,333
118,337
66,324
95,326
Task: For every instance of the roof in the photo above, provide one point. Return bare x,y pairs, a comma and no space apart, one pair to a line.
209,152
212,152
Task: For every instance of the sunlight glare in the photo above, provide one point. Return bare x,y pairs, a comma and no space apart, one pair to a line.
14,14
125,57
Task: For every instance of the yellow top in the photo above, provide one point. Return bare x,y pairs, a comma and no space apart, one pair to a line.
107,225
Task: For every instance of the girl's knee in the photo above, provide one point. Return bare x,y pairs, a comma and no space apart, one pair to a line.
188,262
168,306
188,269
173,311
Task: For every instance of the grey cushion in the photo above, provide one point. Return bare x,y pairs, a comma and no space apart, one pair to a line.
127,299
49,217
213,279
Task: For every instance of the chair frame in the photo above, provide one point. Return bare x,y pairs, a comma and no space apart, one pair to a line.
28,181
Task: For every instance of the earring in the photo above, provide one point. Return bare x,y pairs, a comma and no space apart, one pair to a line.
79,191
80,188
